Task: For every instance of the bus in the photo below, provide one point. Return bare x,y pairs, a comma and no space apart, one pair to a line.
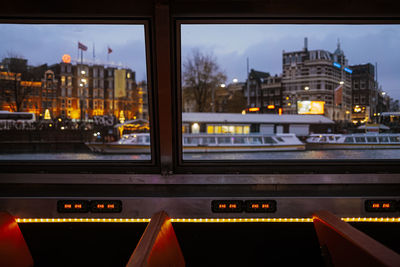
16,120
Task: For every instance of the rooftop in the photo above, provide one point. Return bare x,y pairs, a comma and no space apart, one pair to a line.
254,118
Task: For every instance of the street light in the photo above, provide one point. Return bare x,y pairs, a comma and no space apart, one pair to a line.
306,88
235,80
341,82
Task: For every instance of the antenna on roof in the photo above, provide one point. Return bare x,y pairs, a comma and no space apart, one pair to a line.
305,43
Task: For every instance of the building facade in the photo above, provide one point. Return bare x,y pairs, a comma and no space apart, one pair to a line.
263,92
314,76
74,91
364,93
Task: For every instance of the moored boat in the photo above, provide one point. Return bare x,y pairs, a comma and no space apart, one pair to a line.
205,143
353,141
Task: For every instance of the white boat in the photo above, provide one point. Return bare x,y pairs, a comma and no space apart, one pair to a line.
353,141
205,143
194,143
129,143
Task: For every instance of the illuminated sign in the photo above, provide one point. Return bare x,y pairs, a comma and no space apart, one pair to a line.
348,70
66,58
337,65
380,205
97,206
227,206
254,109
72,206
358,109
310,107
270,106
260,205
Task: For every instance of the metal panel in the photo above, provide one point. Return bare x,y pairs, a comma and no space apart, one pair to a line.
267,128
299,129
288,207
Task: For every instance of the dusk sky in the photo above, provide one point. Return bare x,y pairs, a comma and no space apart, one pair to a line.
229,44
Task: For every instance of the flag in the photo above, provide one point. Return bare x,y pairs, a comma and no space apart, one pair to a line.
82,46
109,50
338,95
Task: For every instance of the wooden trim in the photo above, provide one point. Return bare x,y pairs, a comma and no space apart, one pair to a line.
347,246
158,245
162,32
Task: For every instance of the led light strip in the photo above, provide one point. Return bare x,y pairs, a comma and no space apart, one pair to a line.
89,220
199,220
233,220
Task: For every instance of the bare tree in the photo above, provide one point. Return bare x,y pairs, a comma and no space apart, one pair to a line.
201,77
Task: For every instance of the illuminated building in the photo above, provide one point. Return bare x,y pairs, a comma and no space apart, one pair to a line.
265,91
364,93
314,75
64,88
143,102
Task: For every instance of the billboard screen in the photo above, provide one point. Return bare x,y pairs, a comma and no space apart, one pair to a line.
310,107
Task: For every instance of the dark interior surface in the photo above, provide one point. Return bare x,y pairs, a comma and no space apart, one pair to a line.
202,244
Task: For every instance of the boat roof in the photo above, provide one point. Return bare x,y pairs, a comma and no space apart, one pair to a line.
254,118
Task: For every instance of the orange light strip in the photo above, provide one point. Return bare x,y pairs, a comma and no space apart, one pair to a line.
200,220
238,220
89,220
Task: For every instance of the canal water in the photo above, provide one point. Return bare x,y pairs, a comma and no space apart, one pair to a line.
287,155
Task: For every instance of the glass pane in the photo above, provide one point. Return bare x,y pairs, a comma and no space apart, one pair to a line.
72,92
283,92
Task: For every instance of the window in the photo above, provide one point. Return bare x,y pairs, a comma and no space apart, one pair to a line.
53,66
323,65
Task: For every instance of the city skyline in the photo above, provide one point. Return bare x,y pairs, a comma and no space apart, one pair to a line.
46,44
264,44
229,44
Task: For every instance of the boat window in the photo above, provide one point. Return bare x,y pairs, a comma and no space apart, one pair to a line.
269,140
208,140
84,88
360,139
349,140
383,139
255,140
239,140
293,93
192,140
224,140
394,139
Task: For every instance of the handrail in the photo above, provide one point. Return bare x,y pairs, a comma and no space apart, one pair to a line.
158,245
343,245
13,248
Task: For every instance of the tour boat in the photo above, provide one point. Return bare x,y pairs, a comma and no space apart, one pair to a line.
353,141
204,143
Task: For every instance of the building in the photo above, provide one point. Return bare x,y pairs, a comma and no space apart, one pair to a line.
314,76
78,91
264,92
364,93
143,100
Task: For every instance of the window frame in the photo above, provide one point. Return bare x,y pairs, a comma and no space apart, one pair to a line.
99,166
264,166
